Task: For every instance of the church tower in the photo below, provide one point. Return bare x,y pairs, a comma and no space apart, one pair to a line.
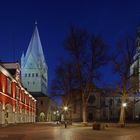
135,67
34,71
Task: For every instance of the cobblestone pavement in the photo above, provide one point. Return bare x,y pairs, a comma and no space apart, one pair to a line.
45,131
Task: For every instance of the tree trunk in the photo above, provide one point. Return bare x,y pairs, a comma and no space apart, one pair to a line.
122,111
122,114
84,113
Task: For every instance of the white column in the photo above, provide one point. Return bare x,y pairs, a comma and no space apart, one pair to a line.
33,117
16,121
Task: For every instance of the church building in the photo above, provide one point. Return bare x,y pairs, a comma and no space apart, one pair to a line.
34,68
34,73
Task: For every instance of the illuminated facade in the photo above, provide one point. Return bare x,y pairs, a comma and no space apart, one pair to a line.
16,103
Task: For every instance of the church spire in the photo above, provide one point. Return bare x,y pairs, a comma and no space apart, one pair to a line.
35,47
35,22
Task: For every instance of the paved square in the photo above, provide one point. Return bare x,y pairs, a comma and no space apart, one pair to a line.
52,132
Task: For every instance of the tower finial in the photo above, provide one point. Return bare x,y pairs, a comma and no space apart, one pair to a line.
35,22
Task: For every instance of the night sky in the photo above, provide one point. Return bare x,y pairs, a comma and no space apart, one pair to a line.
112,19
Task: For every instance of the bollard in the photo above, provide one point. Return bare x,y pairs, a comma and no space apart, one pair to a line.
65,124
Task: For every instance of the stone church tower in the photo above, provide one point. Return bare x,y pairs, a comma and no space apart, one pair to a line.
135,67
34,68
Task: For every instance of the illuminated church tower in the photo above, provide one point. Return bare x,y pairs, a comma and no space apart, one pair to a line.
34,68
135,67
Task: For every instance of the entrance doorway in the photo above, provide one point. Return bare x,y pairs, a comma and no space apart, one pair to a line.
90,116
42,117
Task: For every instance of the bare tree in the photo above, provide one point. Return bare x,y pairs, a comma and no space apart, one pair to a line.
122,60
64,80
88,54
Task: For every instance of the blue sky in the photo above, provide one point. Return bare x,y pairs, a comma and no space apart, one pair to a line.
112,19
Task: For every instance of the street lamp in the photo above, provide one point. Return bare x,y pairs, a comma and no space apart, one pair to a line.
65,108
124,106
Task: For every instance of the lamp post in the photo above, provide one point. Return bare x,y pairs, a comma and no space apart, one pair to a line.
124,106
65,110
56,115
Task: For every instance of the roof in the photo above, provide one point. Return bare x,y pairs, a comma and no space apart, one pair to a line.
35,48
12,71
11,67
38,94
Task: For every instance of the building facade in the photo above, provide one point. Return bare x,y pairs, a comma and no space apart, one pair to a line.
111,108
17,105
102,107
45,109
74,105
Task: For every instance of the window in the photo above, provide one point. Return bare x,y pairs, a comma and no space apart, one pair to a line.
32,74
29,74
28,82
118,101
33,82
110,102
17,92
6,113
91,99
25,74
36,74
74,107
22,96
103,103
41,102
8,86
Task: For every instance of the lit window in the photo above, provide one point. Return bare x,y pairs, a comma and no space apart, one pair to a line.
8,86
